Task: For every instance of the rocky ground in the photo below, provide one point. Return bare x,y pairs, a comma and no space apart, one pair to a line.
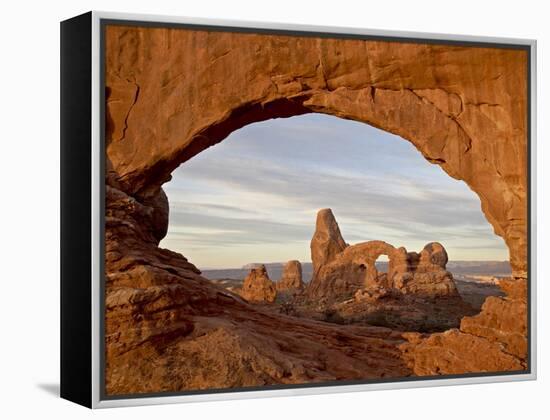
395,312
170,329
416,293
475,293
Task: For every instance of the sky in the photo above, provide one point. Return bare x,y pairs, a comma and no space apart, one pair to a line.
254,196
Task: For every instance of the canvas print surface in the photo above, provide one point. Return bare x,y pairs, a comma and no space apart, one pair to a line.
301,209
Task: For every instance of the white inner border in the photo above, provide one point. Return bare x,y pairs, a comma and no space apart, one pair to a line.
97,179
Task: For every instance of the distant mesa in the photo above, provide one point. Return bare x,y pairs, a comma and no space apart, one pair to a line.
268,265
250,266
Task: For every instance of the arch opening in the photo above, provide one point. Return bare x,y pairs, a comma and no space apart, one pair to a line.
252,200
450,152
286,156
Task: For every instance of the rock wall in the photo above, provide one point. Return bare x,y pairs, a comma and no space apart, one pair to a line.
493,341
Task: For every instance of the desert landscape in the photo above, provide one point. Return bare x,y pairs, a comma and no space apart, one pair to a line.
171,327
413,292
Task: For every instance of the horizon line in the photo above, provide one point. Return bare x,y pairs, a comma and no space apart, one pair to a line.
242,267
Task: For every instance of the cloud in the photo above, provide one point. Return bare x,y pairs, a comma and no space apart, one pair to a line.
207,229
264,184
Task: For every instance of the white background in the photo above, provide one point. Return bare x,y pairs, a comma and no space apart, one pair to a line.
29,212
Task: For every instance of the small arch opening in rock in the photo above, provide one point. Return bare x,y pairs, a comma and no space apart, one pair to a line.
382,263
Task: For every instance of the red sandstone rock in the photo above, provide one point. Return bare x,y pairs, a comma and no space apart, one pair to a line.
327,240
429,274
493,341
167,328
454,352
503,320
257,286
463,108
291,279
344,273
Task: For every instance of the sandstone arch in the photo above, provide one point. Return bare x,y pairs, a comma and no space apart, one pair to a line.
339,267
463,109
367,253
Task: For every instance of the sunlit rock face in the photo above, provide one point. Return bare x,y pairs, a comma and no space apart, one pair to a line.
327,241
258,287
463,108
291,280
171,93
493,341
428,273
342,271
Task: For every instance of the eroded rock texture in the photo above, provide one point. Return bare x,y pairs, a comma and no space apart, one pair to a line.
171,93
291,279
169,329
463,108
327,241
258,287
493,341
426,273
347,270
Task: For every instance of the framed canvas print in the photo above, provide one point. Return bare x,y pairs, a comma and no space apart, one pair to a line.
253,209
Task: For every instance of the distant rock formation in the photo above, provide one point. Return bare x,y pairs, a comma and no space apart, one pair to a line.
426,273
292,277
340,271
250,266
257,286
327,241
